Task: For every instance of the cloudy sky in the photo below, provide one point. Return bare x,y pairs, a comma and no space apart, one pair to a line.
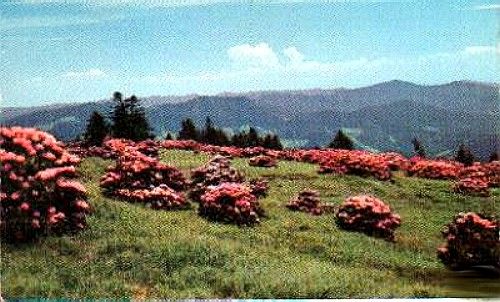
82,50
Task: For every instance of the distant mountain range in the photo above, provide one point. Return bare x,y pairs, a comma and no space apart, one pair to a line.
384,116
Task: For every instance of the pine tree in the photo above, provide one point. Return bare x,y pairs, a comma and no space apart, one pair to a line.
97,130
253,138
341,141
129,119
418,148
169,137
464,155
494,156
188,130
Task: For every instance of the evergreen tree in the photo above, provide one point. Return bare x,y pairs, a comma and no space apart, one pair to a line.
418,148
494,156
129,119
253,139
169,137
188,130
464,155
272,141
341,141
97,130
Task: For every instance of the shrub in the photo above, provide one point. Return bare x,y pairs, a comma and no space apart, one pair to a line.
492,170
434,169
231,203
471,240
358,163
158,198
306,201
472,186
139,178
259,187
263,161
38,195
218,170
369,215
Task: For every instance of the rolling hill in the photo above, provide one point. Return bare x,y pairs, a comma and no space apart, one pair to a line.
384,116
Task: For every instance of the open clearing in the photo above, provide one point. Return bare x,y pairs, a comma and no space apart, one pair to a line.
132,251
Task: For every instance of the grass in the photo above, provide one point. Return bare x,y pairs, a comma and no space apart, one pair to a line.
131,251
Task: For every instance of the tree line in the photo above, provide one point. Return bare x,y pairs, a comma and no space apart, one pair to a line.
128,120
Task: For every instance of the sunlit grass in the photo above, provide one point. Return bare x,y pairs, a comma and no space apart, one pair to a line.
131,251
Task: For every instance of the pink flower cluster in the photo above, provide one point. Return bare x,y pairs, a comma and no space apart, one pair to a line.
369,215
259,187
473,180
38,194
307,201
140,178
263,161
218,170
493,172
434,169
471,240
359,163
230,203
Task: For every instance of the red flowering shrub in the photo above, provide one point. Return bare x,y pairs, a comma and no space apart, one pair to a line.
492,170
356,163
158,198
472,186
215,172
471,240
368,214
180,144
434,169
231,203
140,178
148,147
263,161
306,201
38,196
395,161
259,187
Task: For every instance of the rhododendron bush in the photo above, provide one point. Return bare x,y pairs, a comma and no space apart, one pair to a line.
306,201
38,195
359,163
492,169
215,172
434,169
231,203
369,215
140,178
259,187
263,161
473,180
471,240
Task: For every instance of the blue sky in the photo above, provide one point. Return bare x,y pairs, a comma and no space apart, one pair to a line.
82,50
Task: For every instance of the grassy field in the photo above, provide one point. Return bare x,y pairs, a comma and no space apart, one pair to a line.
131,251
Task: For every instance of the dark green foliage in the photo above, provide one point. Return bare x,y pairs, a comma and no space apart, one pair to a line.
129,119
494,156
213,135
464,155
341,141
418,148
188,130
272,141
169,137
97,130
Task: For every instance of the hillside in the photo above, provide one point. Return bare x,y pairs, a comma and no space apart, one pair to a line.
385,116
132,251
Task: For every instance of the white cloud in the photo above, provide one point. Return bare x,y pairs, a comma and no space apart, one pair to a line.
487,7
259,56
92,73
293,55
480,50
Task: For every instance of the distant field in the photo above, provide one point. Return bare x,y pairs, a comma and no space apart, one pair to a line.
131,251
